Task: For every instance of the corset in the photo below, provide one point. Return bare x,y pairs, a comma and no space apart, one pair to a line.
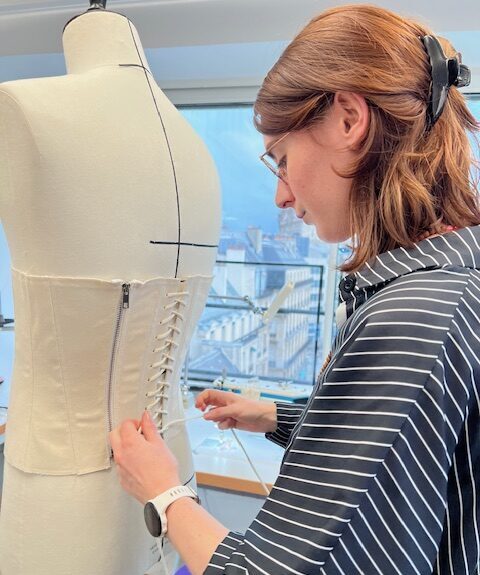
90,353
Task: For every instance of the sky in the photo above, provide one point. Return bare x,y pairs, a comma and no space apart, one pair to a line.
247,184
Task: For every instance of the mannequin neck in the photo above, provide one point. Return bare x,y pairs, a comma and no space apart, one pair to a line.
101,38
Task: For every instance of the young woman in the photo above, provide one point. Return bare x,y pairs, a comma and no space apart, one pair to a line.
367,132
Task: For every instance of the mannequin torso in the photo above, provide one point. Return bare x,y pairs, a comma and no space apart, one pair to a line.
103,152
104,185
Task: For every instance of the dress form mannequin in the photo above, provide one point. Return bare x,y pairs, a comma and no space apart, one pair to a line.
110,204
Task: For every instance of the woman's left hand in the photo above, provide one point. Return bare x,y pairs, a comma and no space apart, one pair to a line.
145,465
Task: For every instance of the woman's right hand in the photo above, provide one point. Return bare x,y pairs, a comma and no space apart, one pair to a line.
231,410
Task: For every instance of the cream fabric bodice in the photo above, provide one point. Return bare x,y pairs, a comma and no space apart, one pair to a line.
89,354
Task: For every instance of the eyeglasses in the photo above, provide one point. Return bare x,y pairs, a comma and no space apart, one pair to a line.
279,171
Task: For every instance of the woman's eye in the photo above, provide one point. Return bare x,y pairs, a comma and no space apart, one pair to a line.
282,164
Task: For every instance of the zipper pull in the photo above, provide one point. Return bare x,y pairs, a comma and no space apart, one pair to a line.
126,296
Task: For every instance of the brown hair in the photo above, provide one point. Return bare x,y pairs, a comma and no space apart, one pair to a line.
407,180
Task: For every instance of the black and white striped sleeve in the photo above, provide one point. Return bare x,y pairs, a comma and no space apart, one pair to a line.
367,473
287,416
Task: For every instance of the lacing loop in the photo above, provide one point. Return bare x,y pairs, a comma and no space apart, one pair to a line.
164,364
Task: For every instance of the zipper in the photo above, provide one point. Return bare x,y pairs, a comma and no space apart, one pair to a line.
123,305
126,296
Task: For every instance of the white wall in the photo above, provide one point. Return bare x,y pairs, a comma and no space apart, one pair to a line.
212,50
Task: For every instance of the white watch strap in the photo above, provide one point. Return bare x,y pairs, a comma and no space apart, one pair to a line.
165,499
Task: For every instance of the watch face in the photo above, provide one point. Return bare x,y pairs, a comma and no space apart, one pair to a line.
152,519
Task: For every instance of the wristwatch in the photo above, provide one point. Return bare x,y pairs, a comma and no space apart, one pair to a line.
155,510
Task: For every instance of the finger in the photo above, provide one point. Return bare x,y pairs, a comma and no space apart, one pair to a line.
128,428
115,440
219,413
199,400
205,399
227,424
149,429
214,397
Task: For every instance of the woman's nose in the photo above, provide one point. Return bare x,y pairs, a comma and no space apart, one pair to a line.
283,196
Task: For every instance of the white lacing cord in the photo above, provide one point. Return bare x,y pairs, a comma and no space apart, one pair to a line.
162,557
237,439
164,366
177,421
160,393
265,488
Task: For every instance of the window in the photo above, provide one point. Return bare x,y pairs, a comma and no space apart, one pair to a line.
261,249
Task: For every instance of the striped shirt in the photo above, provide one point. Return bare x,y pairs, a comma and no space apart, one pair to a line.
381,471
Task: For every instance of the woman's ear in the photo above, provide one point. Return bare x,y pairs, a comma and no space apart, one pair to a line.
353,117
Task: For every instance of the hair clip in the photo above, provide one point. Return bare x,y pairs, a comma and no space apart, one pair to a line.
445,72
